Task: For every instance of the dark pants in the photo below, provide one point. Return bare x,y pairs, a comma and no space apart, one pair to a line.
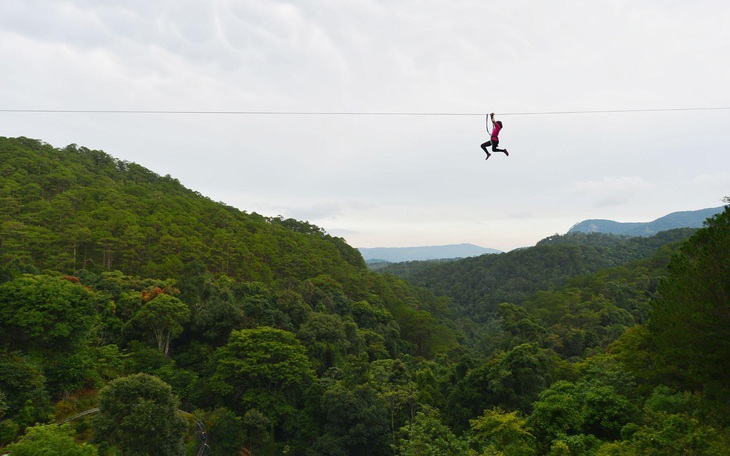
494,143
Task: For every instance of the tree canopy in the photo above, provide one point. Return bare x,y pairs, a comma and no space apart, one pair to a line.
139,414
124,292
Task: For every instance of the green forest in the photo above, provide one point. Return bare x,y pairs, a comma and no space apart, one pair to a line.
139,317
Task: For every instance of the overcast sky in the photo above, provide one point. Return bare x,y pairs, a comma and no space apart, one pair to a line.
385,180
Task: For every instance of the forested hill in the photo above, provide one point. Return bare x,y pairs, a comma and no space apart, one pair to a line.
76,208
109,271
477,285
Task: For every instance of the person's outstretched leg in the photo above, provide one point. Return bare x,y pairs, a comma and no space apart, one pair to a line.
494,148
484,148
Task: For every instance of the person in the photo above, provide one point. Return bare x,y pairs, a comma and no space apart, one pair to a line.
494,140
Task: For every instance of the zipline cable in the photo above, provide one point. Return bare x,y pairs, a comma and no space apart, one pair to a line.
346,113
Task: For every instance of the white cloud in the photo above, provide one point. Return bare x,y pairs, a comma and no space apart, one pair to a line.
390,180
610,191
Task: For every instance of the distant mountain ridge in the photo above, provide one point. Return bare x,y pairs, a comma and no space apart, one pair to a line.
682,219
437,252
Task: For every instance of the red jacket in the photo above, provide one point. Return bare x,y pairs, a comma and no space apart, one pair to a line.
495,132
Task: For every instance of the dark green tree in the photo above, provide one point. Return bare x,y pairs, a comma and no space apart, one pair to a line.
139,416
605,412
519,325
22,383
49,313
670,425
520,376
325,339
217,311
691,317
262,368
557,413
256,432
356,423
225,432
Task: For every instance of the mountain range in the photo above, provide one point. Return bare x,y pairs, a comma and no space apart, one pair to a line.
437,252
682,219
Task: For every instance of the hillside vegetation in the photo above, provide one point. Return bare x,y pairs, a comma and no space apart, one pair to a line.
178,323
478,285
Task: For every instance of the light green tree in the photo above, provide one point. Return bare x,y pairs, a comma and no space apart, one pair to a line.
164,315
427,435
505,432
49,440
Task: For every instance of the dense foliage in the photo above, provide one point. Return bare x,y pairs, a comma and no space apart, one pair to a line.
478,285
125,295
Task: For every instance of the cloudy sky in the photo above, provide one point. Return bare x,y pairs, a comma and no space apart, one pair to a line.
611,109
